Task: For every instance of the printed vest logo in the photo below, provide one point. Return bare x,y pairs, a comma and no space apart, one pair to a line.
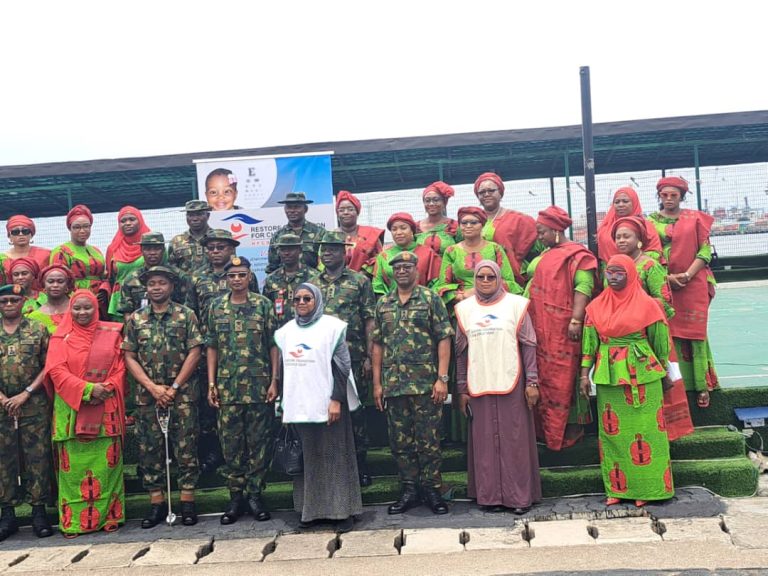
486,320
299,351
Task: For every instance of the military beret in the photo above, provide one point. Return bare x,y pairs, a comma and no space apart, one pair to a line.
218,234
237,261
404,257
334,237
295,198
152,239
11,290
197,206
288,240
158,270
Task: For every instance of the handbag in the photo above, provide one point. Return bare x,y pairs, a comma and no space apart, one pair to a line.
288,457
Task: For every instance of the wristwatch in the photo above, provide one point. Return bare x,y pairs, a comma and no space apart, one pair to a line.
29,390
175,386
443,378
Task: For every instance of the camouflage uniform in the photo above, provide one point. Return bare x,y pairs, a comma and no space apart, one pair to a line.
310,234
209,285
161,343
409,334
186,252
243,335
280,286
133,294
22,357
349,297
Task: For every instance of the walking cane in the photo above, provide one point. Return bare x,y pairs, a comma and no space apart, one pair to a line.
164,419
18,449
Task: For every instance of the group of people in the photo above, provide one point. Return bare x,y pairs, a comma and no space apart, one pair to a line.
495,310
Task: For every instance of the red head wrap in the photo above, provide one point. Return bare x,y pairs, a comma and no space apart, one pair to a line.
675,181
402,217
28,263
493,178
617,313
475,211
127,248
636,223
445,190
77,211
61,268
20,221
349,197
555,218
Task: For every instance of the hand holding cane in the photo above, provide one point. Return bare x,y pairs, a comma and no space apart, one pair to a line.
163,419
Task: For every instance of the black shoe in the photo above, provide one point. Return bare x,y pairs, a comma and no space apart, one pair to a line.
346,525
408,499
362,470
157,514
521,510
258,509
188,514
365,479
434,500
8,523
40,524
234,510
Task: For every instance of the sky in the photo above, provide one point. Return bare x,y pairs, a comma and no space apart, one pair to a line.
92,80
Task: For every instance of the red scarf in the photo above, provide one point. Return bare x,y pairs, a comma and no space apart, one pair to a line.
606,246
127,248
616,313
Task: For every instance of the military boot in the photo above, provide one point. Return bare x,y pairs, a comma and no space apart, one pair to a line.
234,508
362,470
408,499
434,500
40,524
8,523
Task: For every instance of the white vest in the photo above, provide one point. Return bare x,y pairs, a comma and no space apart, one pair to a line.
307,375
491,330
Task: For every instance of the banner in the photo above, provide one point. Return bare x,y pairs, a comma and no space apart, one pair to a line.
244,195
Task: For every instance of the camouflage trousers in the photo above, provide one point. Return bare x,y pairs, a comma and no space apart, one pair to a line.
245,432
359,425
182,443
414,424
35,432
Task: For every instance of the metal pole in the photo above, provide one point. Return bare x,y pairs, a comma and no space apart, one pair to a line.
69,199
552,190
698,179
589,158
568,190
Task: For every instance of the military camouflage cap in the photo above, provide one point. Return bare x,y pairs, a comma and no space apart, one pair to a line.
11,290
404,257
218,234
288,240
158,270
152,239
295,198
237,261
197,206
334,237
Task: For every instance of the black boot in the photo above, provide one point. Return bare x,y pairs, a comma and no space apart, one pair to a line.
362,470
258,509
188,514
234,509
434,500
40,524
8,523
157,514
408,499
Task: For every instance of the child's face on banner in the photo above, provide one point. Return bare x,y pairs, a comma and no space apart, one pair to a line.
220,194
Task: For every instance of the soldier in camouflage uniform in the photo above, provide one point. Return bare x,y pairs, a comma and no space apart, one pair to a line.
280,284
133,293
25,426
242,383
349,296
411,351
162,349
186,250
296,206
209,282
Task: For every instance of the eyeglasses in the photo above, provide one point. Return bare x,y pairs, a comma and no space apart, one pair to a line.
433,200
304,299
81,227
403,267
470,222
234,275
485,277
669,195
216,247
9,301
615,274
487,192
21,232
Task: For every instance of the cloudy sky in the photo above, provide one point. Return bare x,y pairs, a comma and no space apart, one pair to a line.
87,80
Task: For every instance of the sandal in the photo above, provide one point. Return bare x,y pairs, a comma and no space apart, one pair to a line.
702,400
611,501
640,503
569,441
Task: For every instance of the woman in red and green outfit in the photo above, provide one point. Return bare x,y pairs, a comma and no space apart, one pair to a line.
684,237
627,341
57,283
24,272
437,231
365,242
124,254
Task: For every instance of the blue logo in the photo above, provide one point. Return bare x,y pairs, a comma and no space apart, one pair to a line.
244,218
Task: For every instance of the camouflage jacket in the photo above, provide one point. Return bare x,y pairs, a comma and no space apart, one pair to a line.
186,253
22,357
133,294
209,285
310,234
161,343
242,335
279,288
409,334
350,298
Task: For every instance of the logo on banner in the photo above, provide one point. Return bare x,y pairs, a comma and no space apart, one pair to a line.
299,352
486,320
236,222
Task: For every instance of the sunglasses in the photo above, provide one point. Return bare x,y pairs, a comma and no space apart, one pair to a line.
21,232
237,274
403,267
470,222
304,299
9,301
486,277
